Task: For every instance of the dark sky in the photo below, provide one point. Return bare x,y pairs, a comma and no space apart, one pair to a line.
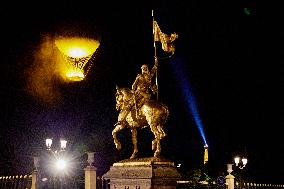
227,54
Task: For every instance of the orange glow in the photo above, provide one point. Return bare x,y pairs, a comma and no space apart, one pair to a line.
77,47
75,75
77,52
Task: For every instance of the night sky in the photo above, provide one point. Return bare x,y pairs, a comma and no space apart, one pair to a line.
228,56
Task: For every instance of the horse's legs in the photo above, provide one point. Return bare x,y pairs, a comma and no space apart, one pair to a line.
158,148
158,136
156,141
159,133
154,144
114,135
134,141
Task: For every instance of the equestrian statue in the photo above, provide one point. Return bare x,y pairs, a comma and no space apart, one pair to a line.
137,109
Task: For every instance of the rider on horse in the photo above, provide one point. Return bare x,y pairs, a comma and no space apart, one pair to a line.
141,88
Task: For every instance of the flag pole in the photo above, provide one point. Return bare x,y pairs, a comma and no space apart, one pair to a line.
155,55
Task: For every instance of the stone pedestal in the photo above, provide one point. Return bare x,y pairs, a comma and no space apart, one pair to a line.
143,173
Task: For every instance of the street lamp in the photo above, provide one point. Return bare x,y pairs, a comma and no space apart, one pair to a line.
60,163
57,161
240,163
63,144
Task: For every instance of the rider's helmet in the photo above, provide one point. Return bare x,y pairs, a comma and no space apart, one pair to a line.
144,68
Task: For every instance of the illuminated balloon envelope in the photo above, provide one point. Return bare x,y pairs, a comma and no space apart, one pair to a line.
77,52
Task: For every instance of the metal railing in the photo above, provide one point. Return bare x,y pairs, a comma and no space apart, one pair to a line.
25,182
15,182
258,186
199,186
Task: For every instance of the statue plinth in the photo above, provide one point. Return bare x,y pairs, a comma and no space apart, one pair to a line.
143,173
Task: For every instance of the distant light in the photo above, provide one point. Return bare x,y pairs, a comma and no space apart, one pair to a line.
206,156
239,164
44,179
183,181
61,164
63,144
179,165
48,143
237,160
247,11
245,161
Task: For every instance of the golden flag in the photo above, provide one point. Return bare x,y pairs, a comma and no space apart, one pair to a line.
165,39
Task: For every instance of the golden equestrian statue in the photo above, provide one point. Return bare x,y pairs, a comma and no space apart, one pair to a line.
135,106
138,110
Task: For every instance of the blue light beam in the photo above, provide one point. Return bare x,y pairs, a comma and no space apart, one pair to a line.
190,99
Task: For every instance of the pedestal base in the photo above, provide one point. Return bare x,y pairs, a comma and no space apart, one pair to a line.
143,173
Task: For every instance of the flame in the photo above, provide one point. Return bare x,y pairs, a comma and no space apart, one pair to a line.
75,75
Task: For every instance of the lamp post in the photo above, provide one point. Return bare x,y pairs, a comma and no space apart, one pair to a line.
241,164
63,144
58,161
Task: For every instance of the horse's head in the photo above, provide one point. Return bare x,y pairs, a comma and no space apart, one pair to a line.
122,97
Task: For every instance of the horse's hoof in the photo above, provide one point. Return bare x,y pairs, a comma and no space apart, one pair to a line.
157,154
133,156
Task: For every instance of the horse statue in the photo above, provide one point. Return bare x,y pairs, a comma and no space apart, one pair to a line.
151,114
